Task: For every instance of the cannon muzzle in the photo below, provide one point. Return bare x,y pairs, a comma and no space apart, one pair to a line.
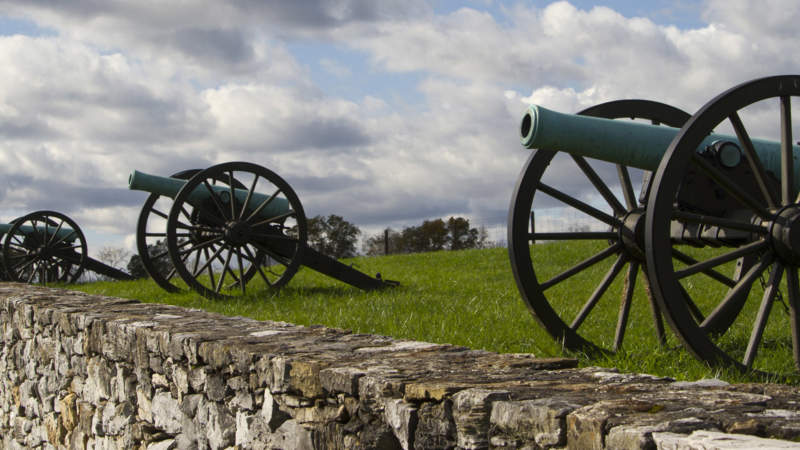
167,186
626,142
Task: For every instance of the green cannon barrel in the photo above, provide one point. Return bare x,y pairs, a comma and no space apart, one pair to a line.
169,187
625,142
64,234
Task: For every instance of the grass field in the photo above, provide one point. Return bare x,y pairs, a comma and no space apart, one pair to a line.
464,298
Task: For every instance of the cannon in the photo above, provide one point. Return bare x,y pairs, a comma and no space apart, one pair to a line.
226,227
47,246
711,243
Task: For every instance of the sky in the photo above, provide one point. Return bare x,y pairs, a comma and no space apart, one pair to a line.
386,113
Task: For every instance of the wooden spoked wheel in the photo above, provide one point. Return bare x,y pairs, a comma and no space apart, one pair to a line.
577,276
44,247
222,239
750,323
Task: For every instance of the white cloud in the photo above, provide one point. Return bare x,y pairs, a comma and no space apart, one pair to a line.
165,86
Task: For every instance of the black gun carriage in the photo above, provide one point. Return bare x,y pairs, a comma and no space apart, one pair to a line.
227,227
712,240
48,247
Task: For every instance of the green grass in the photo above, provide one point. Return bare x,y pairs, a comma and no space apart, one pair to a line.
464,298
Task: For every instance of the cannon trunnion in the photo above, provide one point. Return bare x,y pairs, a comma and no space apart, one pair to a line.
228,227
684,219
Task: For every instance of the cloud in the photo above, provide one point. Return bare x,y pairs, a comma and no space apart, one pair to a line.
168,86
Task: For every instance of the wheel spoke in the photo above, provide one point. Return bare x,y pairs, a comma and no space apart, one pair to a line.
627,187
241,269
581,266
201,245
787,153
215,200
693,308
752,247
257,264
794,310
224,271
601,186
158,213
752,158
731,187
277,218
248,197
763,315
655,310
579,205
263,205
688,260
625,305
598,292
233,196
726,311
207,265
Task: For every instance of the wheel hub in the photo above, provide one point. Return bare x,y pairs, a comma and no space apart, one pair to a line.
238,232
631,233
785,234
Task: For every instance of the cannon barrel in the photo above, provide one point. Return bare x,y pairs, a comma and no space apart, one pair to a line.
167,186
625,142
65,234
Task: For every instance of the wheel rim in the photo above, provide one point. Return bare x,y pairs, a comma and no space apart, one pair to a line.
568,324
738,326
212,242
151,235
50,254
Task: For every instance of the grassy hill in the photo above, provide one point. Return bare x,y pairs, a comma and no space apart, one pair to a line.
464,298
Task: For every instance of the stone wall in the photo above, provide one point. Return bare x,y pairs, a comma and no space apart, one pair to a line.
83,371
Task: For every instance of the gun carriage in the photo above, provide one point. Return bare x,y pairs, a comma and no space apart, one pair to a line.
47,246
226,227
713,238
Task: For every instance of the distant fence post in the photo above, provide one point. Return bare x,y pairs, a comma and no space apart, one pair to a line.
386,241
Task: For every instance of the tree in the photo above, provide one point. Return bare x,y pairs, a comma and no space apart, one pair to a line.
135,267
158,257
376,244
333,236
112,256
461,236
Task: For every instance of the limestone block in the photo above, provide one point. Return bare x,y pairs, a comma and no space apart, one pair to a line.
435,425
714,440
542,421
402,418
98,381
271,412
291,435
216,389
166,444
217,423
166,413
471,412
341,379
69,412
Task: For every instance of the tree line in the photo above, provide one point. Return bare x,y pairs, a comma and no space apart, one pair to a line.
430,236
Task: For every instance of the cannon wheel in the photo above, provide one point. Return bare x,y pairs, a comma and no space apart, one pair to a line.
565,323
214,242
151,235
743,332
46,257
